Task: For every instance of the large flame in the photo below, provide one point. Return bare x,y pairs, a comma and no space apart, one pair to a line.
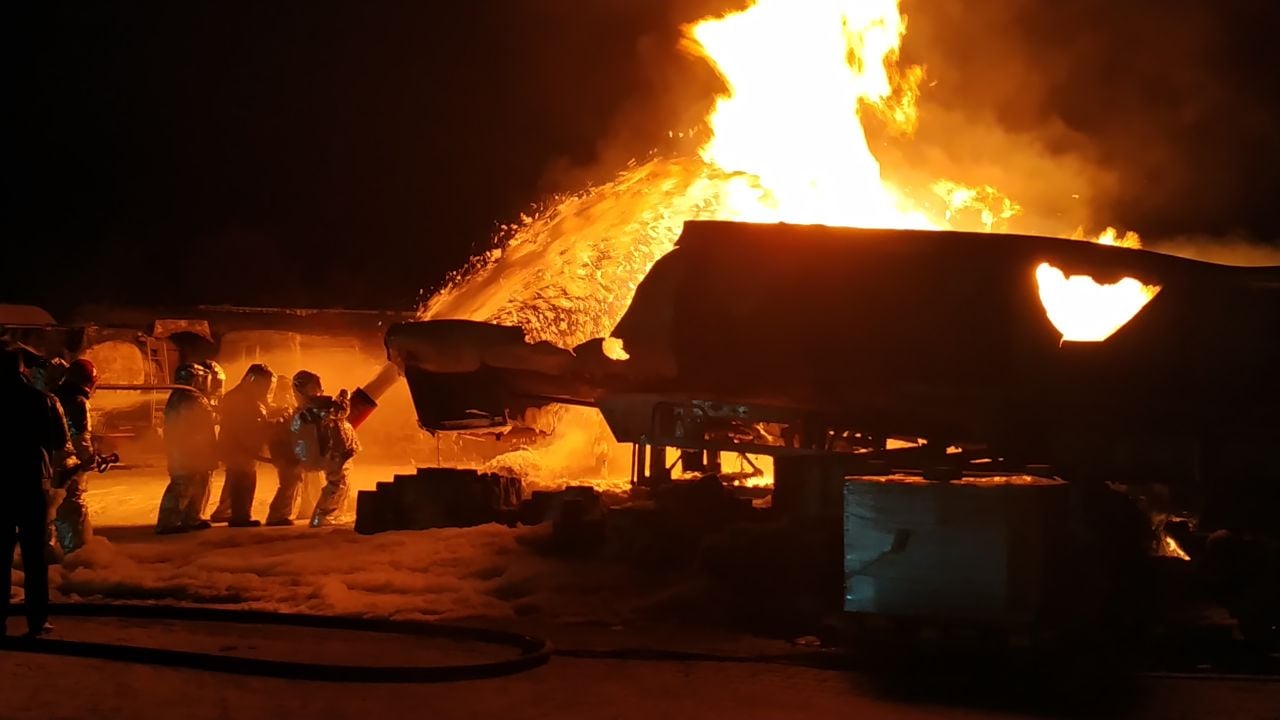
786,143
798,75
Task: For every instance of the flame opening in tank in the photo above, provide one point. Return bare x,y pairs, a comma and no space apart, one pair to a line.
1085,310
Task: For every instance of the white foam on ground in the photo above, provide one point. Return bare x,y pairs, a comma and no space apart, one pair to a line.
489,571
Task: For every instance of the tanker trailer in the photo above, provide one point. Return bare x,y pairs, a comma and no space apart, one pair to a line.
826,345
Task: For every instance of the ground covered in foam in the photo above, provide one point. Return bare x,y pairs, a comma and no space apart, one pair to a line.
487,571
483,572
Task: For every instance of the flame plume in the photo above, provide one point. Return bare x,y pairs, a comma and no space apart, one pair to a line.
786,143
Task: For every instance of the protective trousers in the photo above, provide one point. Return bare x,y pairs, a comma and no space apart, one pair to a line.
183,501
333,496
241,485
312,484
286,497
23,521
52,549
71,522
222,512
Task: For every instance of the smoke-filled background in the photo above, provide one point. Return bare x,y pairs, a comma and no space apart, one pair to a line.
351,154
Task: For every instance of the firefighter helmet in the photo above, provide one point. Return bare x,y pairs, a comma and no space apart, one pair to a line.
82,372
193,375
307,384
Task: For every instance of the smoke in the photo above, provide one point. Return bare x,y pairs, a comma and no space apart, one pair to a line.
669,96
581,449
389,436
1055,187
1222,250
1086,115
1152,112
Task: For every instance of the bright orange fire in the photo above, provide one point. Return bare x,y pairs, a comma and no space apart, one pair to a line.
1085,310
1111,236
798,75
613,349
786,143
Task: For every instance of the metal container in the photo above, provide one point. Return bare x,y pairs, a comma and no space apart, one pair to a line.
975,549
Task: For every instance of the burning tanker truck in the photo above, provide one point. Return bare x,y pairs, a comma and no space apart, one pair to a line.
895,374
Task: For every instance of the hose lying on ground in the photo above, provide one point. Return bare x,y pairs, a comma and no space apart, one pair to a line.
531,652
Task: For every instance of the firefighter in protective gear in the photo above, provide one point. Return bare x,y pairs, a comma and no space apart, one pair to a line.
217,387
288,468
71,521
33,434
217,383
191,444
245,431
324,440
45,374
306,384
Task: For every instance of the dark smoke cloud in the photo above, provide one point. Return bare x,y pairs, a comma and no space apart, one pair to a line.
359,151
1157,112
1223,250
669,92
1151,115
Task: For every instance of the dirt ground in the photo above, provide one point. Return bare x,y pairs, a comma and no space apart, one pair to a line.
47,688
488,576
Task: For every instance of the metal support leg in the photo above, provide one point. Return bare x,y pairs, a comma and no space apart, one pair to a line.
659,473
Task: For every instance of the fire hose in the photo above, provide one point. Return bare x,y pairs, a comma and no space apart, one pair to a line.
531,652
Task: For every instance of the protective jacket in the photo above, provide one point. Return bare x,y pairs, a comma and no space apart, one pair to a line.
75,405
245,429
190,439
33,436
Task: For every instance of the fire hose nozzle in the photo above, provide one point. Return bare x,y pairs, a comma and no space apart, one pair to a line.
362,406
103,463
365,398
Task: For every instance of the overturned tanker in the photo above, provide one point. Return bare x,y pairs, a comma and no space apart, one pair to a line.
804,340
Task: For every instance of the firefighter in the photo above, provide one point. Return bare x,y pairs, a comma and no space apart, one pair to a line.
44,374
191,444
217,383
324,440
71,521
288,467
306,384
217,386
33,435
244,433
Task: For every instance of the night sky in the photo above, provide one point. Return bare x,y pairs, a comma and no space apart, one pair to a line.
350,154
